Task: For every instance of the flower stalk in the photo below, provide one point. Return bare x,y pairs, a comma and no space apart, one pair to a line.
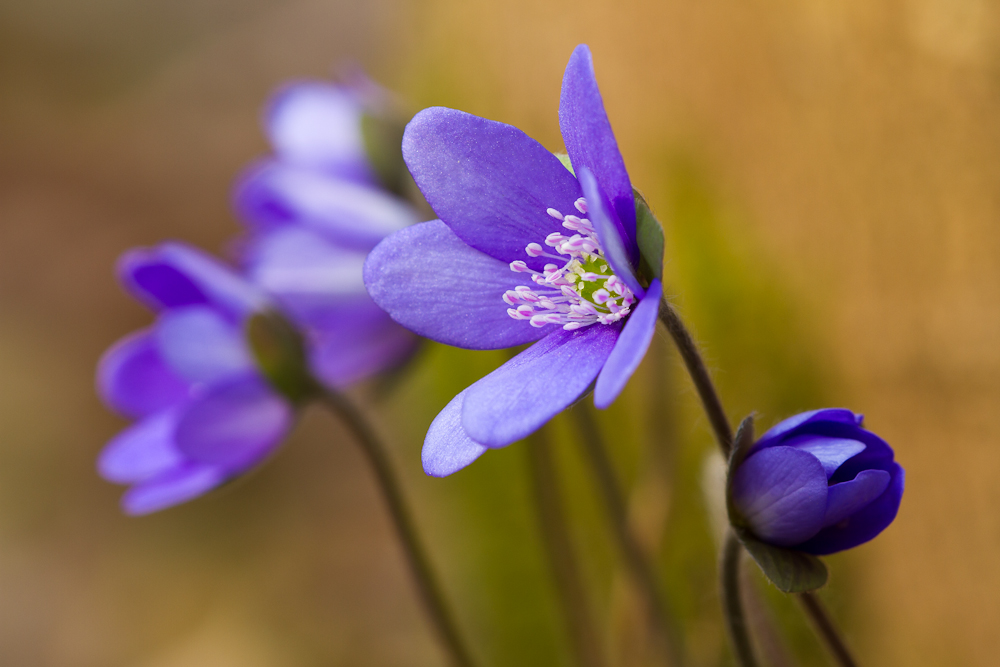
635,560
824,627
732,603
427,584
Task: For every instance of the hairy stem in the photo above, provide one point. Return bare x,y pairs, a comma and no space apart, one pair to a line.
825,628
565,569
732,603
427,585
635,559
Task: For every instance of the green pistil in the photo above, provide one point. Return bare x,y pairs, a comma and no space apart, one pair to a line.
593,264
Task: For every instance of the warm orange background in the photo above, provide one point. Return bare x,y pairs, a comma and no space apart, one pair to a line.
856,143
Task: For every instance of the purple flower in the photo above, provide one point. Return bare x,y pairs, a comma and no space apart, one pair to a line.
524,251
313,211
817,482
204,412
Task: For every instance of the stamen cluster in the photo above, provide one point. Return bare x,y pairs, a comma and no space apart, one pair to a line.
581,292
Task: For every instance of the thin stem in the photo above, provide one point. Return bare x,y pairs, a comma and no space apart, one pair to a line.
699,375
732,603
635,559
420,567
565,569
824,626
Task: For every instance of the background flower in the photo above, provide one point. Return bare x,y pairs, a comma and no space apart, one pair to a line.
817,482
314,210
204,413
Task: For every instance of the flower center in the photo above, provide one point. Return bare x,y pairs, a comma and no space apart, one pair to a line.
579,291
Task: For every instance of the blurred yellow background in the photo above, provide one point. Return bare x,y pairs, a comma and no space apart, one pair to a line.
829,174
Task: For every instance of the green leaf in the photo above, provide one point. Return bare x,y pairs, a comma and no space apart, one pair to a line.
791,571
649,234
280,354
742,443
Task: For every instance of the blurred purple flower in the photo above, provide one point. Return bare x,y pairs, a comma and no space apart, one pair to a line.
313,211
817,482
205,413
512,213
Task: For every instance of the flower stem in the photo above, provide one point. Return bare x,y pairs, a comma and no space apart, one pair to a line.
420,567
825,628
699,375
732,603
565,569
635,559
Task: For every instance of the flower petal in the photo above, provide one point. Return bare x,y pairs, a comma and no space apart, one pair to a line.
781,492
133,378
831,452
318,125
846,498
275,194
173,275
838,415
308,275
144,450
447,447
630,348
200,345
527,391
863,525
432,283
488,181
590,142
172,488
234,425
609,233
359,348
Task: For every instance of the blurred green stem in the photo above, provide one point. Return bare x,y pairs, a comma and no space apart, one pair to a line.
392,492
825,628
635,559
558,545
732,603
724,436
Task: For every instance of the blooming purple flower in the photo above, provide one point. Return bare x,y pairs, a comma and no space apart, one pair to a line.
204,412
817,482
525,250
313,211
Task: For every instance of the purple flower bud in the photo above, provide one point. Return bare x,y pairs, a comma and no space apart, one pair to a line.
817,482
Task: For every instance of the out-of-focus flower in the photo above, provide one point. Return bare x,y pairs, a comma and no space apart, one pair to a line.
524,251
315,209
817,482
205,412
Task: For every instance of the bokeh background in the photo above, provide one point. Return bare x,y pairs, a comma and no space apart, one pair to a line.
828,172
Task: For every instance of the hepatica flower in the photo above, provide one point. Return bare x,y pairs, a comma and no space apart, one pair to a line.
525,251
314,210
818,483
204,412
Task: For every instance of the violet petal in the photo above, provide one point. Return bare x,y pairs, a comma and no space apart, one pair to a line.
846,498
517,398
171,488
488,181
609,233
200,345
133,378
234,425
432,283
143,450
781,492
447,447
591,143
630,348
831,452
